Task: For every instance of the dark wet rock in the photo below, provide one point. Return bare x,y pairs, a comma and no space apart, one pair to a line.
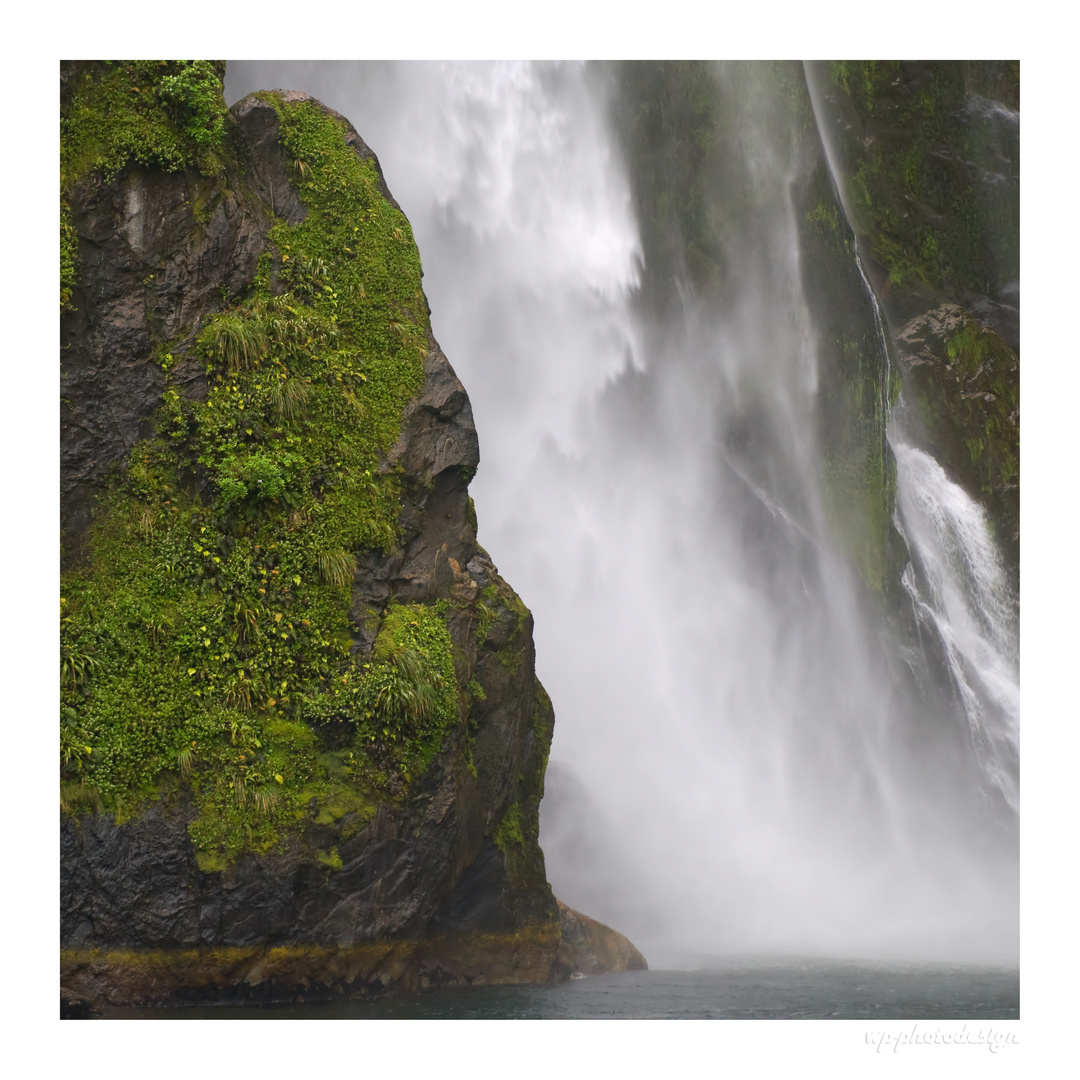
590,948
75,1007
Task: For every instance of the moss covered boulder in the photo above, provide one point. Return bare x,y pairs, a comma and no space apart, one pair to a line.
302,740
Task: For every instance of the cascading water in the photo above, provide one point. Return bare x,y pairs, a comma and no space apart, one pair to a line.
961,592
735,766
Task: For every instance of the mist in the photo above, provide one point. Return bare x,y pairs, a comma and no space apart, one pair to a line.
736,766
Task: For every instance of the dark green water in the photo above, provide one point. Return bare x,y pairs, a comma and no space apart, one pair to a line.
793,989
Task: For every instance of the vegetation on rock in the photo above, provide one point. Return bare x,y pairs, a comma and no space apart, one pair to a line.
210,626
964,383
163,113
910,169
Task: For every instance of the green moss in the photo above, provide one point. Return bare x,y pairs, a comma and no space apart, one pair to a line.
517,834
825,217
211,862
507,835
210,626
331,858
69,246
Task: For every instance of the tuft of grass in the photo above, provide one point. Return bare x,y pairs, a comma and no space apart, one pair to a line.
79,797
75,666
185,761
409,690
265,797
291,399
235,342
337,567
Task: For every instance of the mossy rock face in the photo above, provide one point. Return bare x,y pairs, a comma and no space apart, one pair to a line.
964,383
931,166
930,154
298,702
856,392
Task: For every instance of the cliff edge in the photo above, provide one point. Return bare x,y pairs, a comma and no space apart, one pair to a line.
302,740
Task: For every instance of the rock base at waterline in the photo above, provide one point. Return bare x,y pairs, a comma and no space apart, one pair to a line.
539,953
588,947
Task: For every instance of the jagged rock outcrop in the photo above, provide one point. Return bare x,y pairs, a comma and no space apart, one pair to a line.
259,804
964,383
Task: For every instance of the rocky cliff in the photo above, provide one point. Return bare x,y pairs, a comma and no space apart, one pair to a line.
302,741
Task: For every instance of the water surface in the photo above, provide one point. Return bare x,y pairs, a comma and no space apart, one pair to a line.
735,990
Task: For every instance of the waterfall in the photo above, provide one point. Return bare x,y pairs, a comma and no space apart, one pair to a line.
735,766
959,588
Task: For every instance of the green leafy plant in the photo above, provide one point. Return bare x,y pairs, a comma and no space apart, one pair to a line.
487,613
194,93
259,476
73,741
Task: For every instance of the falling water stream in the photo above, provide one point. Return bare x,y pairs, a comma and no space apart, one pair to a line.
735,767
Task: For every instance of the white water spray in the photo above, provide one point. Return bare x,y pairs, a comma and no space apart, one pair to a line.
731,769
959,587
957,584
